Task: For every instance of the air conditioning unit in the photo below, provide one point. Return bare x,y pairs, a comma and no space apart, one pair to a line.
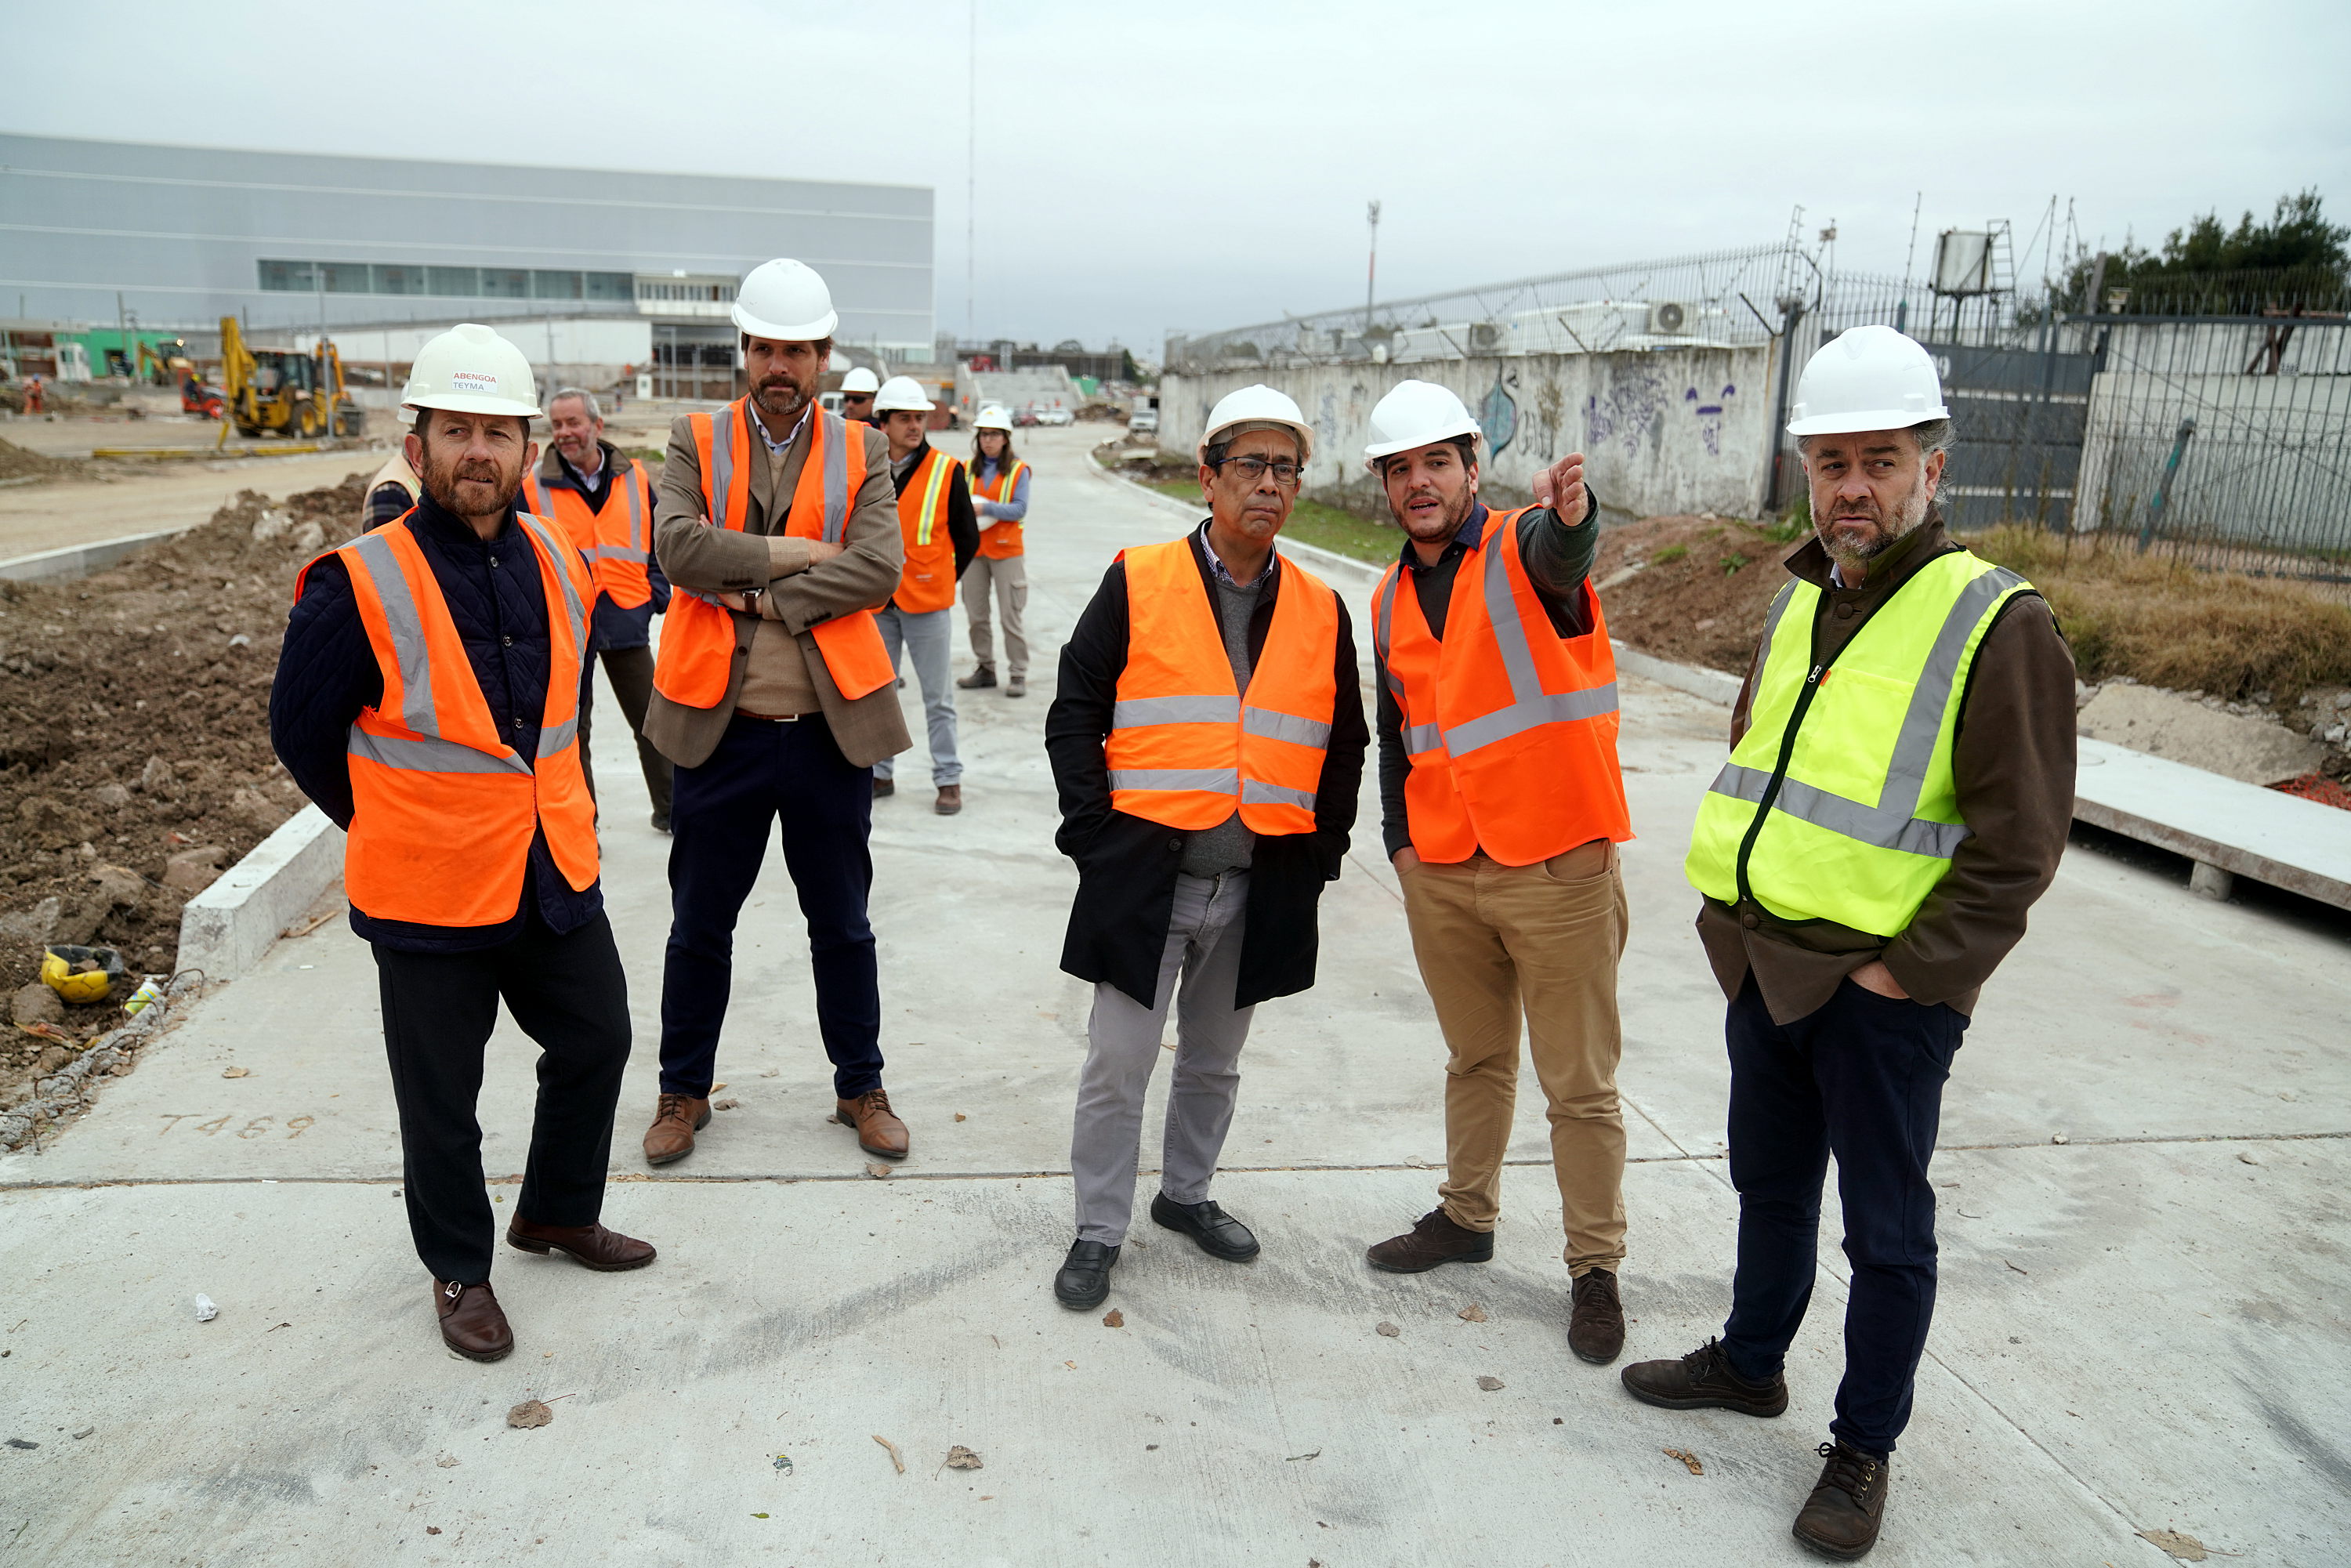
1668,319
1488,337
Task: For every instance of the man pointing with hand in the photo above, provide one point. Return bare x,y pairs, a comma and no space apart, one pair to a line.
1504,806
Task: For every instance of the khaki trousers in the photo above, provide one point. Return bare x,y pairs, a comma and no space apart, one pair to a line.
1009,579
1494,942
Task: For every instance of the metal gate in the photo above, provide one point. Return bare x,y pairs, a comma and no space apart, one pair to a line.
2021,415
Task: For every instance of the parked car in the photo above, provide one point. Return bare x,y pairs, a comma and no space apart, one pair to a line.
1056,415
1144,422
1024,416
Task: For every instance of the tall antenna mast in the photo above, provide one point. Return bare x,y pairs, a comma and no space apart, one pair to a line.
1371,273
971,170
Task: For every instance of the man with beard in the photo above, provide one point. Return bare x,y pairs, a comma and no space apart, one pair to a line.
1504,807
773,695
426,699
1208,739
605,504
1900,783
857,392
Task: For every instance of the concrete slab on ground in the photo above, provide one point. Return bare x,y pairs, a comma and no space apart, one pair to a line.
2137,1328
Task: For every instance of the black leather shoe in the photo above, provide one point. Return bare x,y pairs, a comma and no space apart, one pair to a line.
1703,1380
1434,1239
1218,1233
1842,1517
1084,1278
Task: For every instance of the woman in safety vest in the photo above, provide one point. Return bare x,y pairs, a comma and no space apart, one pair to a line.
999,488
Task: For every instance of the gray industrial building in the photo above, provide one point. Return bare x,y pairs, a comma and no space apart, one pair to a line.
177,237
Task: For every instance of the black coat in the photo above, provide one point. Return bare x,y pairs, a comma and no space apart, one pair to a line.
1126,865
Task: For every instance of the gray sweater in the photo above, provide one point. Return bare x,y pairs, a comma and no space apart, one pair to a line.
1226,847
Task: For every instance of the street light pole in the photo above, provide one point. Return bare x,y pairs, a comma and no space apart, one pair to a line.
1371,273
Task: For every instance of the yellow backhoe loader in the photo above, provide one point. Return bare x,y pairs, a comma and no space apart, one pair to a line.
285,392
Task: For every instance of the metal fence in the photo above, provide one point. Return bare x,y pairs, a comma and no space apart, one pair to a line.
2205,415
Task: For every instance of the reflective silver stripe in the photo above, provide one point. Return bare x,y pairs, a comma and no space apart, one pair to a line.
1551,707
1922,725
552,546
836,475
406,627
1873,825
1287,727
1215,780
631,481
1422,737
431,755
1384,640
1257,792
616,552
721,477
1134,713
554,738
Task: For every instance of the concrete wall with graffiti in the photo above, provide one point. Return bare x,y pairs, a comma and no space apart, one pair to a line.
1678,429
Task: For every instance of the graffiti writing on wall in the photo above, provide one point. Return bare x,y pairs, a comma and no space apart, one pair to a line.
1708,415
1632,411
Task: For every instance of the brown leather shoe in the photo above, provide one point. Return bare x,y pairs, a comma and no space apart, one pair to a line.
884,787
590,1246
950,799
676,1118
1703,1380
1842,1517
1595,1328
878,1131
1435,1240
471,1322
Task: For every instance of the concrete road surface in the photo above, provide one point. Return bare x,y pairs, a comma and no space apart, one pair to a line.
2143,1221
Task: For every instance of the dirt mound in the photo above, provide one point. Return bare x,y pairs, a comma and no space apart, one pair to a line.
1692,589
18,462
134,734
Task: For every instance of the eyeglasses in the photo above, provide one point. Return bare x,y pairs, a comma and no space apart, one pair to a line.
1253,469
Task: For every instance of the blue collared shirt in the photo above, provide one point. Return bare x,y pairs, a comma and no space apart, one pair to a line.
1217,565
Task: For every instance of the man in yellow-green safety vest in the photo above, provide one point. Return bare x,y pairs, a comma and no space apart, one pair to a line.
1897,794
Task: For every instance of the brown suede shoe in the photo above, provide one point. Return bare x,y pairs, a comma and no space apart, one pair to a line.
950,799
878,1131
1435,1240
470,1322
590,1246
1842,1517
1595,1328
676,1118
1703,1380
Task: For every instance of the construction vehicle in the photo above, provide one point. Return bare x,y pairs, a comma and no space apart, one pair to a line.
167,364
284,391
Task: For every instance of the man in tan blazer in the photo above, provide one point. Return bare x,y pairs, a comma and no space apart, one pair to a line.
777,527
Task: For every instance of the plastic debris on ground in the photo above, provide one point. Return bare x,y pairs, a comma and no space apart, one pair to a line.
206,1308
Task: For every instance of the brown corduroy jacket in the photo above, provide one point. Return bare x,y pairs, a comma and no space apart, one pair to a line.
721,561
2013,767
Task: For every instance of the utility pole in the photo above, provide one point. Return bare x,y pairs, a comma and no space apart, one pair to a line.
970,169
1371,273
122,335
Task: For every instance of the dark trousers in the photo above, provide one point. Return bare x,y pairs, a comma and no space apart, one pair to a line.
631,670
567,993
764,773
1861,1078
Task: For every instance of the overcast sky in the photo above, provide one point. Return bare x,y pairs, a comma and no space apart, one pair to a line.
1199,165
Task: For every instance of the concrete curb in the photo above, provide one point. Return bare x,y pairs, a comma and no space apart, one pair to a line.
226,929
71,561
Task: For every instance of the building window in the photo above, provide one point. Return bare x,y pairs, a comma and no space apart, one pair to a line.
610,285
454,282
399,280
287,277
505,283
546,285
460,282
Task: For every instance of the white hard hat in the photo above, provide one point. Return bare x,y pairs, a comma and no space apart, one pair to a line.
784,301
860,380
994,416
902,393
471,370
1258,404
1869,378
1416,413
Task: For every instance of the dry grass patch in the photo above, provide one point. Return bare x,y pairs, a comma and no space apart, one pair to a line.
2169,625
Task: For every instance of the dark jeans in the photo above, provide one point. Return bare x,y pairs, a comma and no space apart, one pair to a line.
567,993
631,670
1861,1078
763,773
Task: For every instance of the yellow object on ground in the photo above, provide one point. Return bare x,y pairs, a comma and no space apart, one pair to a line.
57,971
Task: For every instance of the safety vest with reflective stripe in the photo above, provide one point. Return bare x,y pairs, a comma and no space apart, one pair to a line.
443,809
1186,747
617,541
928,582
1001,540
697,644
1510,727
1838,802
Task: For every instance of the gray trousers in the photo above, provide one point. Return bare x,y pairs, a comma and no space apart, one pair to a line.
1009,579
631,670
1204,944
927,638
